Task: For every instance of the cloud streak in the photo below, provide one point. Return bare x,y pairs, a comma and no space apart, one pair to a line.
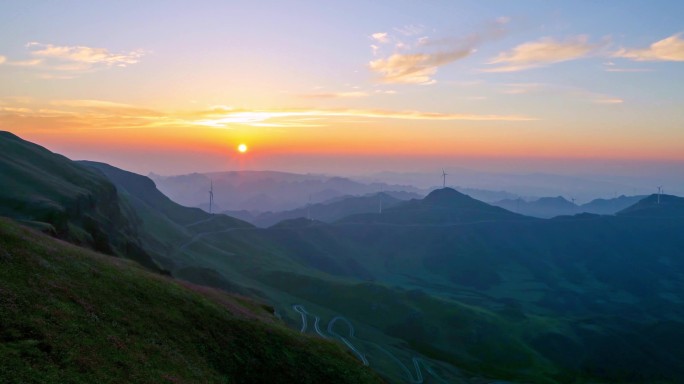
97,114
380,37
85,57
559,90
226,118
667,49
421,67
542,53
414,68
335,95
67,62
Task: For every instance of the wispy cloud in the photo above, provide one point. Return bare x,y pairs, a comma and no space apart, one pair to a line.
559,90
668,49
51,61
410,30
541,53
375,49
25,63
335,95
421,65
522,88
98,105
380,37
414,68
628,70
607,100
610,66
252,117
99,114
83,55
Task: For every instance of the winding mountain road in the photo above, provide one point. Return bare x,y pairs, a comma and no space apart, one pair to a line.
344,340
417,362
299,309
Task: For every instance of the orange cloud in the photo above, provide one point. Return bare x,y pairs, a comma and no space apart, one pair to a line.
668,49
542,52
420,67
414,68
98,114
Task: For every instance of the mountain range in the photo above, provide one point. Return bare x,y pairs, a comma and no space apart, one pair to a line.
548,207
444,288
263,191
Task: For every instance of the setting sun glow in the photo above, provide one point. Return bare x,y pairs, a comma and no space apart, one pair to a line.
242,148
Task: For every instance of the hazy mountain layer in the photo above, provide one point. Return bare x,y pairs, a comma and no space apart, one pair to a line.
263,191
330,211
548,207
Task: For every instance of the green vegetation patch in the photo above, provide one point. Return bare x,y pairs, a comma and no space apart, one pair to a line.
68,315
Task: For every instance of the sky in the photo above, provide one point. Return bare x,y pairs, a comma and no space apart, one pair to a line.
349,87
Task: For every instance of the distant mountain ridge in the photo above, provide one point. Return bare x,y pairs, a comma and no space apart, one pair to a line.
331,211
656,206
262,191
548,207
441,206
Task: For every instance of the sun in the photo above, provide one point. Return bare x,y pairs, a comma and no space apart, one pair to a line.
242,148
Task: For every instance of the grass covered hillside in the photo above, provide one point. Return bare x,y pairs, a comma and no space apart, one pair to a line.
70,315
52,193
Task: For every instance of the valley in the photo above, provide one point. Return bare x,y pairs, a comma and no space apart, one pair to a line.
440,289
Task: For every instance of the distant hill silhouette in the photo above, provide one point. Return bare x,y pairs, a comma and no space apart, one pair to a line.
545,207
656,206
263,191
331,211
441,206
610,206
548,207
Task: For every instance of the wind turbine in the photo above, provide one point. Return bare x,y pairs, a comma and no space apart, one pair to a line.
444,175
660,190
211,195
308,209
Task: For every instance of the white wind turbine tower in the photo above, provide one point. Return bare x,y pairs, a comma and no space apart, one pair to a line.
308,209
211,195
660,190
444,175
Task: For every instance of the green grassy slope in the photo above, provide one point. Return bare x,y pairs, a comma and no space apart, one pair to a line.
53,193
178,237
69,315
164,226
